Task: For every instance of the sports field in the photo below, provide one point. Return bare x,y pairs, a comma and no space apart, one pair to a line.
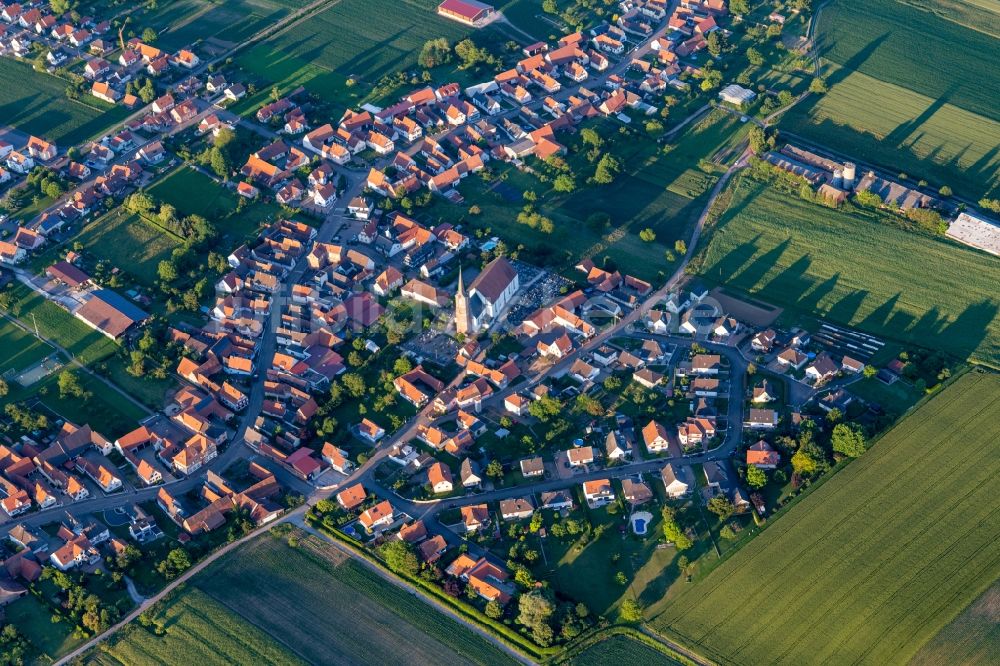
857,269
36,103
181,23
871,565
323,608
937,114
20,349
129,243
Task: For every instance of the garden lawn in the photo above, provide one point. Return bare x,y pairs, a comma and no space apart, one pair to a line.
33,619
21,349
129,243
937,114
870,566
200,630
856,267
328,608
36,103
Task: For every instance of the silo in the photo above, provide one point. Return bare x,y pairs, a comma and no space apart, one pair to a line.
849,175
838,178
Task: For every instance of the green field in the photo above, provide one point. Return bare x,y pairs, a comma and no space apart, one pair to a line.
129,243
20,349
183,22
971,639
106,411
870,566
325,608
857,268
33,619
620,650
193,193
200,630
937,114
368,44
36,103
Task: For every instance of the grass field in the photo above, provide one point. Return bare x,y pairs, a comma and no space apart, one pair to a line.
20,349
105,410
938,110
870,566
857,268
183,22
33,619
129,243
36,103
200,630
320,606
193,193
971,639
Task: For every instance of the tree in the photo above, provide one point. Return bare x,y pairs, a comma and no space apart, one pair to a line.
868,199
721,506
435,52
711,80
69,385
774,31
680,247
494,610
945,191
149,35
647,235
785,97
715,42
739,7
672,530
758,140
495,469
630,611
4,388
166,271
654,127
818,85
847,438
869,371
470,54
147,93
754,57
550,7
990,204
727,533
534,612
756,478
399,557
564,182
176,563
354,384
545,408
590,137
607,168
220,162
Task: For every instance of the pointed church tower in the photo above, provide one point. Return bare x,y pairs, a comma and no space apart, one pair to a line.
463,324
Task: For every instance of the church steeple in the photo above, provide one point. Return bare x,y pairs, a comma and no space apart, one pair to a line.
462,322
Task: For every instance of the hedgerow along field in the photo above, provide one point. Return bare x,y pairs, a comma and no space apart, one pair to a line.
857,267
931,111
327,608
873,563
36,103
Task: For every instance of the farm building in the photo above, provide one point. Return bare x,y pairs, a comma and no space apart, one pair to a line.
737,95
110,313
977,232
469,12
